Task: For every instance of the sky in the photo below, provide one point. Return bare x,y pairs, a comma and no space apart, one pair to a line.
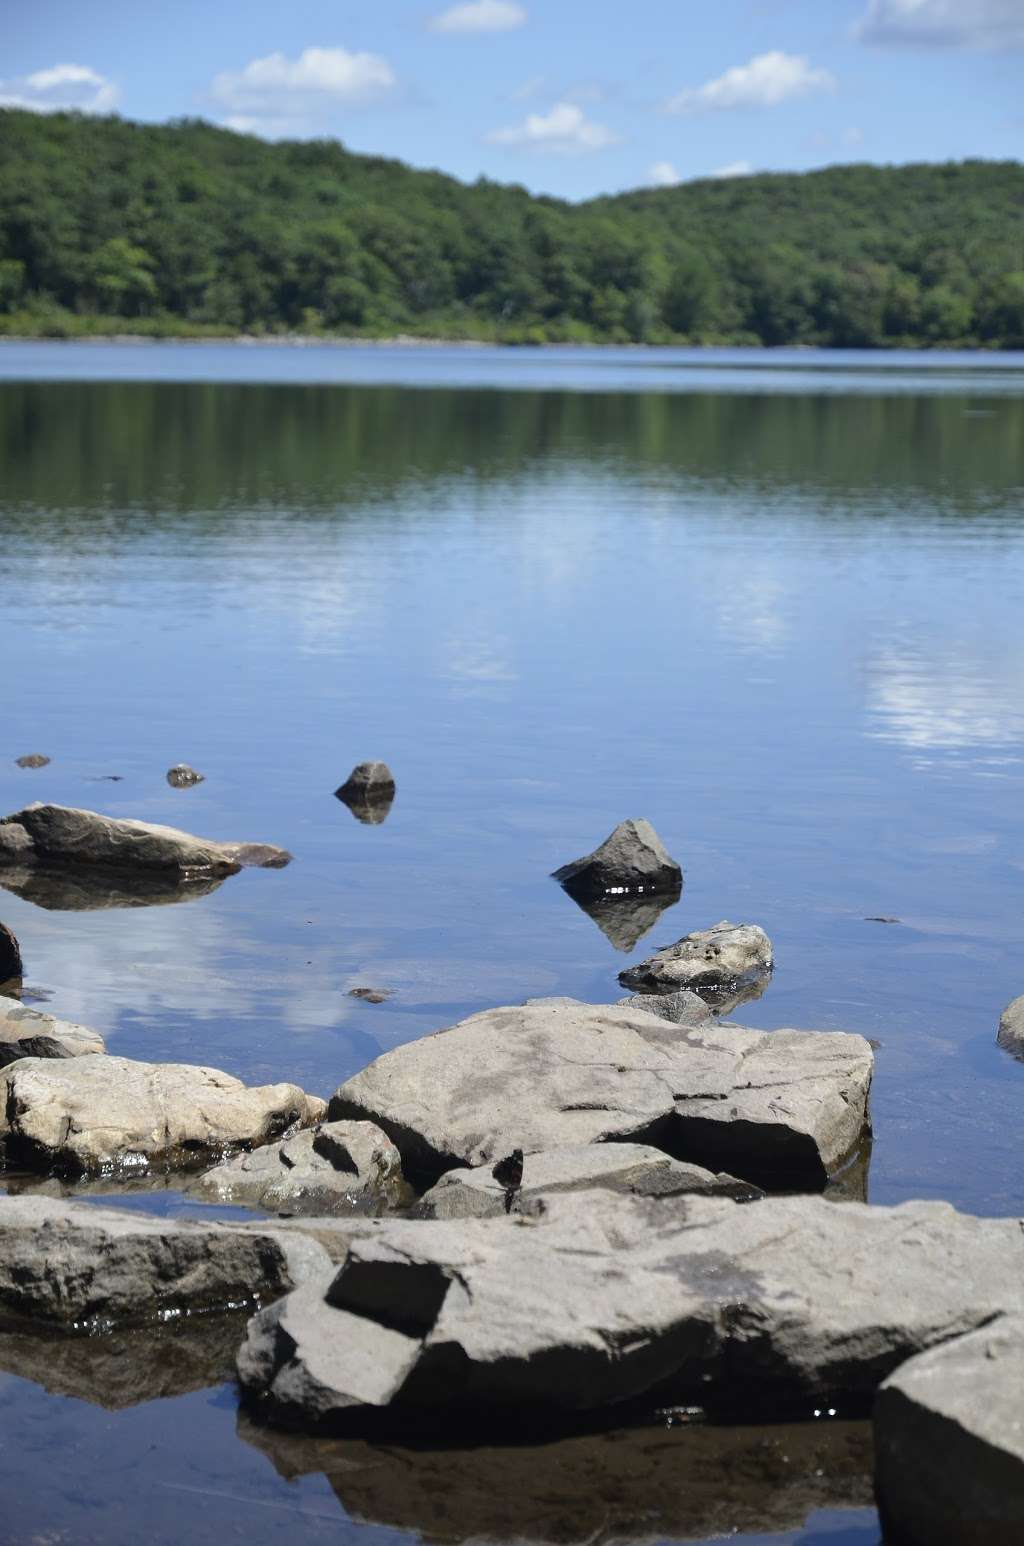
568,97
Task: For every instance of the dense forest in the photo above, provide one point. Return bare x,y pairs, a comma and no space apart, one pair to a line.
109,226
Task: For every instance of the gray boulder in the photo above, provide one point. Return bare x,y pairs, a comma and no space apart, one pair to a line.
949,1442
181,776
59,834
103,1115
1011,1027
369,792
66,1263
320,1170
10,956
633,858
632,1168
773,1107
725,956
683,1007
606,1300
30,1033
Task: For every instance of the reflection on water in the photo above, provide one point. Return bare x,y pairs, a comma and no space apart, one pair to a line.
624,920
86,888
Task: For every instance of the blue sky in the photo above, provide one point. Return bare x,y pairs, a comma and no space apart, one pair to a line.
570,97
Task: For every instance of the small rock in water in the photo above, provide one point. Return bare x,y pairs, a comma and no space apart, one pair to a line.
881,919
369,792
181,776
1011,1027
34,760
10,955
720,957
632,859
681,1008
370,995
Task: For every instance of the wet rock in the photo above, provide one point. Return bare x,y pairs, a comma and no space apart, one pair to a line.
633,858
1011,1027
624,920
606,1300
10,956
949,1442
369,792
682,1008
181,776
370,995
320,1170
634,1485
725,956
632,1168
67,1263
31,1033
59,834
63,888
33,760
103,1115
779,1107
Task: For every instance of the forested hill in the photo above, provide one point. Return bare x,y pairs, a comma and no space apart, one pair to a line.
107,226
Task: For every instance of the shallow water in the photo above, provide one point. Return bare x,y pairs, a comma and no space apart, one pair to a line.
770,602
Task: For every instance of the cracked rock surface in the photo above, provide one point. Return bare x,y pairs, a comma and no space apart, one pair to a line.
320,1170
769,1106
725,956
31,1033
63,835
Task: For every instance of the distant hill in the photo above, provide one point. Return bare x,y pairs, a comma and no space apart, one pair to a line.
185,228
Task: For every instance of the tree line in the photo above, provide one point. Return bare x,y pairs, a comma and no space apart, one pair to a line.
185,228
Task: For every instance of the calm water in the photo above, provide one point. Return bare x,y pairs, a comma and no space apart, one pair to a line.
773,603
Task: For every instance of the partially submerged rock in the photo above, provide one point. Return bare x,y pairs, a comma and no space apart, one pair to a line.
320,1170
949,1442
33,760
369,792
606,1301
725,956
59,834
779,1106
684,1007
632,1168
72,1264
10,956
31,1033
103,1115
181,776
1011,1027
632,859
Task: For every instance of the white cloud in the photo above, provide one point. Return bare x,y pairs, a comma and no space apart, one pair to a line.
662,175
852,137
481,16
565,130
733,169
277,95
764,81
943,23
61,88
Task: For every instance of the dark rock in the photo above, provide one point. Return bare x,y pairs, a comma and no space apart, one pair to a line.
10,956
369,792
624,920
181,776
320,1170
949,1442
1011,1027
370,995
632,859
30,1033
728,955
59,834
33,760
881,919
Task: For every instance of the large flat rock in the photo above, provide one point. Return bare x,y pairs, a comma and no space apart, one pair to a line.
61,834
781,1106
75,1265
31,1033
104,1115
949,1442
607,1300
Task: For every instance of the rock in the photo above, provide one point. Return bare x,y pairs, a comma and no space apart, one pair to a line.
58,834
320,1170
633,858
181,776
725,956
370,995
30,1033
774,1107
1011,1027
611,1301
949,1442
89,1115
66,1263
624,920
634,1485
682,1008
33,760
10,956
369,792
632,1168
62,888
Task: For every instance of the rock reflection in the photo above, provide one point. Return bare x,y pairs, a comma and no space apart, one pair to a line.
370,810
646,1484
91,888
624,920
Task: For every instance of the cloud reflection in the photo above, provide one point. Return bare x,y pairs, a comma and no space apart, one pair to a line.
950,701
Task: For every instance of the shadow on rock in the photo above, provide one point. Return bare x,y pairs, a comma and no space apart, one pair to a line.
687,1482
624,920
59,889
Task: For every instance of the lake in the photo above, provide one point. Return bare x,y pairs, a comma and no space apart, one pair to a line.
770,601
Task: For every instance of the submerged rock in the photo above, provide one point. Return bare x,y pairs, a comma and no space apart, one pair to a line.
632,858
682,1008
33,760
10,956
102,1115
780,1106
624,920
370,995
31,1033
369,792
725,956
59,834
181,776
608,1300
1011,1027
320,1170
949,1442
67,1263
